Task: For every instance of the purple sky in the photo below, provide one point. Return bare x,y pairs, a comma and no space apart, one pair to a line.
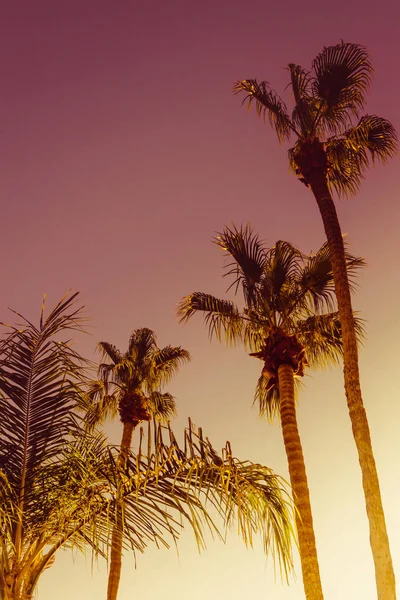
122,153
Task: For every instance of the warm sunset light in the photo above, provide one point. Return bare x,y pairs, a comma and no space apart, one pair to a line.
133,176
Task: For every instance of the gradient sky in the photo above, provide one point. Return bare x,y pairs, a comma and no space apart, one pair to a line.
122,153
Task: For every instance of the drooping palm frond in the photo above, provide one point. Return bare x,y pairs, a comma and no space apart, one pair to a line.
167,361
222,317
110,351
248,253
266,396
321,335
247,491
98,404
349,154
343,75
162,406
268,104
373,134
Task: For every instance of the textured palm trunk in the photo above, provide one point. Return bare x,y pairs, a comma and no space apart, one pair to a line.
384,574
114,575
298,480
15,589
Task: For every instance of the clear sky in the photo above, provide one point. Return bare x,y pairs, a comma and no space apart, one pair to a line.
122,153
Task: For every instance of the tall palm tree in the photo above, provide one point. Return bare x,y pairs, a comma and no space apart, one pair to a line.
60,486
130,384
285,323
333,153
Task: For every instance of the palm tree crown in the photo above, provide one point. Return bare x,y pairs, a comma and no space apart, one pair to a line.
284,319
130,383
327,99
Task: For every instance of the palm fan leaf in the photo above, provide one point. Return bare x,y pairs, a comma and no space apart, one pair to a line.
343,75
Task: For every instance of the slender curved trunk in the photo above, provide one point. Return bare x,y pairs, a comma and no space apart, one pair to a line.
384,574
298,480
114,575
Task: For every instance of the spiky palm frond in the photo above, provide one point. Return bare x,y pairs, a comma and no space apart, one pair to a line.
222,317
343,75
268,104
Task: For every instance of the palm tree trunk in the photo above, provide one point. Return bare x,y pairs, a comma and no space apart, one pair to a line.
384,574
298,480
114,575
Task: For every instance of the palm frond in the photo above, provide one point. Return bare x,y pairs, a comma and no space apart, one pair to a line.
142,343
248,491
162,406
321,335
268,104
343,75
316,280
37,379
346,165
306,107
167,361
97,404
110,351
249,255
280,274
266,396
222,317
375,134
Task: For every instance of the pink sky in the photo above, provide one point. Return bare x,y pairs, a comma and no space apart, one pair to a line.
122,153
